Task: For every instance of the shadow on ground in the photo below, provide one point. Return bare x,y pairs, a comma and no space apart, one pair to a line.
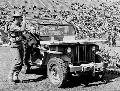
34,80
75,81
88,81
36,72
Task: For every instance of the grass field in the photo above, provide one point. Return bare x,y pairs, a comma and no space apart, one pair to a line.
36,82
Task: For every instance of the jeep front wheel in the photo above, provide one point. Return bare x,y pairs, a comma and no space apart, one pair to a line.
56,71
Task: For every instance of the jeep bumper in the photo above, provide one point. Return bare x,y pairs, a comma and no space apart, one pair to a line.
96,67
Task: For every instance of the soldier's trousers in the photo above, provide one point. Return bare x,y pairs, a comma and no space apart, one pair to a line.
17,59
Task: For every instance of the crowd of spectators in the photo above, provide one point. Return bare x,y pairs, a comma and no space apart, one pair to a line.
93,21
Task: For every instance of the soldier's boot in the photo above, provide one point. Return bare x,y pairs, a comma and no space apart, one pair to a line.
14,77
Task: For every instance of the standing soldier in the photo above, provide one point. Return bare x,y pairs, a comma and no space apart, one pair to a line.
17,51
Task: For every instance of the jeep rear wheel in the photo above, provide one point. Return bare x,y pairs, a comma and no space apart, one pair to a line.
56,71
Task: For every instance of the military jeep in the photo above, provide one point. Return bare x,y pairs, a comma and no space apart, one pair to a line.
67,56
74,57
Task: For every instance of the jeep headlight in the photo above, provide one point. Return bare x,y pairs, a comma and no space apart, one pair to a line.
93,48
69,50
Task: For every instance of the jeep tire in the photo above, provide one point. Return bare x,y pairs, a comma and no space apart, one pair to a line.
56,71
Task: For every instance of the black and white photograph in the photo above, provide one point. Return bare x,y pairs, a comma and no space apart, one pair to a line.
59,45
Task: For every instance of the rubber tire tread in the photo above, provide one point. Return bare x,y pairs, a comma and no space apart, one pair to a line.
62,65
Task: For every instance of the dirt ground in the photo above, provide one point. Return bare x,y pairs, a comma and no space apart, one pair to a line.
37,82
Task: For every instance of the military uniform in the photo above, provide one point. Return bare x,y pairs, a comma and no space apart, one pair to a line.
16,49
